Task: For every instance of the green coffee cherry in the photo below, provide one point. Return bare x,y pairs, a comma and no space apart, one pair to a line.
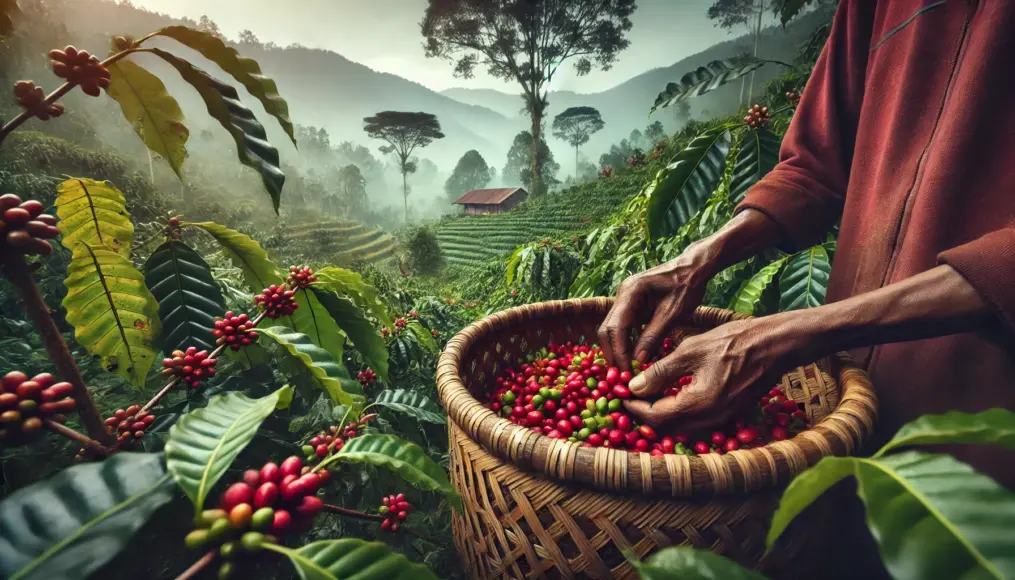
508,397
308,450
196,539
584,433
537,400
601,404
220,529
586,413
506,411
590,405
252,541
614,405
262,518
225,570
544,392
591,383
208,517
228,549
555,394
590,422
383,509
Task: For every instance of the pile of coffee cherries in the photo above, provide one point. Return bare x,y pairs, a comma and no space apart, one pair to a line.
568,391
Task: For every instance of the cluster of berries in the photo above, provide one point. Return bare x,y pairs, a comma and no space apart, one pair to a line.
606,172
80,68
173,230
31,96
331,441
24,227
277,301
793,97
757,116
567,391
300,277
191,366
366,377
233,330
25,403
395,509
129,424
400,323
434,333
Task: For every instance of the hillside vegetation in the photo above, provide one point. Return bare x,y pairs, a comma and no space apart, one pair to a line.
338,241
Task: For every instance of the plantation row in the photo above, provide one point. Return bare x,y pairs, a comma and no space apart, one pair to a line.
342,241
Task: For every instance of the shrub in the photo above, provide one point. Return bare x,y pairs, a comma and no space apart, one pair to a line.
423,249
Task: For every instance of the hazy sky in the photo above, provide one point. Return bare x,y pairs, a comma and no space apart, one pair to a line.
384,35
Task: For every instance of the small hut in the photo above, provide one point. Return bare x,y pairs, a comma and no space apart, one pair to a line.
486,201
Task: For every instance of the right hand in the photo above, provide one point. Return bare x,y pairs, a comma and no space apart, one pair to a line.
663,296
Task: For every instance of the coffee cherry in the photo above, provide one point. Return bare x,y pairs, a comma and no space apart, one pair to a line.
300,277
26,404
395,509
262,518
236,331
366,377
757,116
31,97
24,228
190,366
80,68
276,301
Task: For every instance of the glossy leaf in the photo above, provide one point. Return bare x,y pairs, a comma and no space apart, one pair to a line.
325,372
423,336
750,293
95,213
411,403
224,105
149,108
114,315
686,563
246,71
757,155
804,489
246,254
315,321
203,443
357,327
351,284
991,427
352,558
804,279
688,182
9,13
71,524
188,297
707,78
406,459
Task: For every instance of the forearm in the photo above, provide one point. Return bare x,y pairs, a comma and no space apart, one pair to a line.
935,303
750,232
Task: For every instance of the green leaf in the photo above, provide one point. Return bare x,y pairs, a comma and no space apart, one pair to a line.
9,12
203,443
326,373
406,459
804,489
258,271
246,71
351,284
188,297
315,321
688,182
114,315
686,563
71,524
224,105
357,327
352,559
708,77
991,427
757,155
95,213
935,517
750,293
411,403
154,114
804,280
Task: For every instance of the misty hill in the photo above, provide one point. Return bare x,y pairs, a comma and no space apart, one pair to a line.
626,106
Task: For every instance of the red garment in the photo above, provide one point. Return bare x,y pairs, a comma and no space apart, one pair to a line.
906,130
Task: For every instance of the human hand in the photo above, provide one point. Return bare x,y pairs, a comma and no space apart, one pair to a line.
731,365
662,296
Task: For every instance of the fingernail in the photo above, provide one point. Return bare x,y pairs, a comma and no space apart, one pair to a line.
637,384
641,356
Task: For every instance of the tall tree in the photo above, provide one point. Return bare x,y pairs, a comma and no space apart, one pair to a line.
575,125
403,132
526,41
655,131
518,168
353,188
733,13
470,173
208,25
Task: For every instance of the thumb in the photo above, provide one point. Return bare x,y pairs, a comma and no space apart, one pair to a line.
662,374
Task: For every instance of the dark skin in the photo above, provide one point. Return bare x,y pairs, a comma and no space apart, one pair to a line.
736,363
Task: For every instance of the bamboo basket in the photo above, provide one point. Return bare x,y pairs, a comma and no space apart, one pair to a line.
536,507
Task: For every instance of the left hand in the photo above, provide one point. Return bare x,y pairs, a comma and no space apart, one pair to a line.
731,365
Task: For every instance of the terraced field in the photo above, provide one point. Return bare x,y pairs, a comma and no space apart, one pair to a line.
342,240
474,240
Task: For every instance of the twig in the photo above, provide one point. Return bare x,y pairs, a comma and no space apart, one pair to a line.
353,513
87,442
198,566
20,275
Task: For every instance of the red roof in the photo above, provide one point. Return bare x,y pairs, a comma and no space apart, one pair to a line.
488,196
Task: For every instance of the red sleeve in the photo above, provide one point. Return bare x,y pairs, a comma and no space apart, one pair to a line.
986,264
804,192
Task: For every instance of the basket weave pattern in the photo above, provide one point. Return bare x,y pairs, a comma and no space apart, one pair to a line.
536,507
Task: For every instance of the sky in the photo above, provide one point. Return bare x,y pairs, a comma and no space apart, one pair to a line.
384,35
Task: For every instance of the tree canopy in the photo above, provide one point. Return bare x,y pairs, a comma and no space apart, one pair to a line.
403,132
575,125
519,163
655,131
470,173
526,41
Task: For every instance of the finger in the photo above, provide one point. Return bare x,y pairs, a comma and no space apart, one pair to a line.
657,413
614,333
657,329
663,373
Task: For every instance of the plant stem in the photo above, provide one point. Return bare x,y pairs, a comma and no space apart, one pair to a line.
198,566
73,435
20,275
353,513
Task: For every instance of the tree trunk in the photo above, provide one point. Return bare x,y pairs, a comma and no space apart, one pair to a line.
405,194
757,37
537,161
576,164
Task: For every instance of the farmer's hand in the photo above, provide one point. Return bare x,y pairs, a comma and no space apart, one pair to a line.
732,366
662,296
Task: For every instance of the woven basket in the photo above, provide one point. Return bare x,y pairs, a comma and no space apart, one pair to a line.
537,507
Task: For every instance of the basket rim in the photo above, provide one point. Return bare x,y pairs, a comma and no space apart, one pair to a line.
841,432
